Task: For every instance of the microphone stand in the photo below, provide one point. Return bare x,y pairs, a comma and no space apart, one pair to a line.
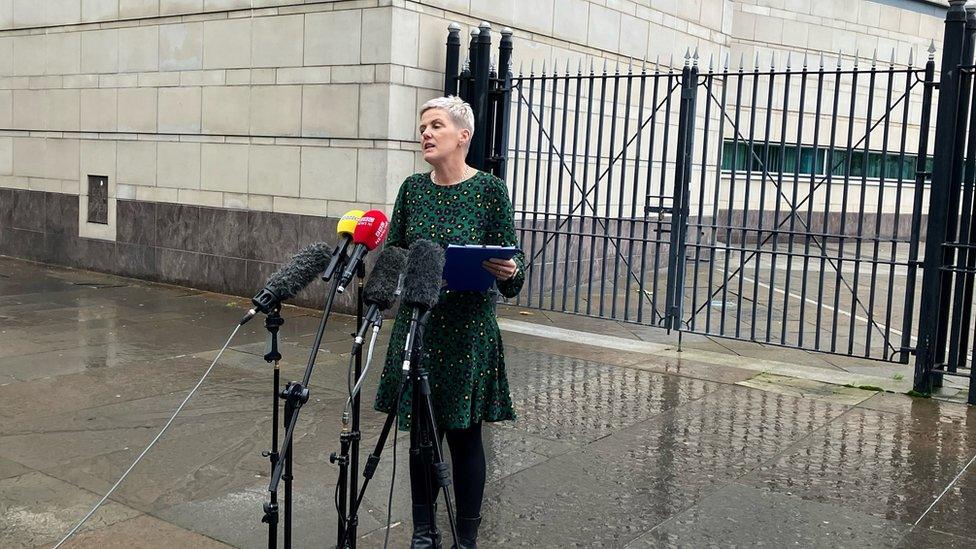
424,440
349,440
273,323
295,394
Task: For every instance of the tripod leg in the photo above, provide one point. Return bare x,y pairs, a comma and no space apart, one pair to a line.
343,483
428,427
289,410
271,509
373,461
421,450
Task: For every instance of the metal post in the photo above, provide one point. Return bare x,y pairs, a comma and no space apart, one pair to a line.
920,176
502,105
682,170
480,65
959,220
453,59
936,232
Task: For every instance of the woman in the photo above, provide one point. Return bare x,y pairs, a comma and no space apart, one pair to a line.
454,204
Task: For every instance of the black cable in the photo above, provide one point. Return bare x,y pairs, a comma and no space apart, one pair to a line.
389,501
349,373
335,498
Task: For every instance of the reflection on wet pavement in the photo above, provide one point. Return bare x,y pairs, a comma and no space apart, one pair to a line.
610,449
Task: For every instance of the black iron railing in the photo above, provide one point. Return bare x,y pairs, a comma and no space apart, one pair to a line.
629,211
792,205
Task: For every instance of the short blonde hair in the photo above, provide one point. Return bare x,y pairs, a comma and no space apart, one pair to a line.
460,112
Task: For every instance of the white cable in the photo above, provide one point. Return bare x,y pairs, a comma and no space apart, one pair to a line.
151,444
369,359
944,492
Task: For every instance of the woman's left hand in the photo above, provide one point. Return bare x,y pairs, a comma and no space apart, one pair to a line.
501,269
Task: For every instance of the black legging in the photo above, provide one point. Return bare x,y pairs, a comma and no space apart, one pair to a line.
468,459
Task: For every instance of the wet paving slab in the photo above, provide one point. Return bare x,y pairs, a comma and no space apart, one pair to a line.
730,516
143,532
36,508
887,465
611,448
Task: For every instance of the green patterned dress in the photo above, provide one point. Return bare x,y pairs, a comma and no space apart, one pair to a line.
462,344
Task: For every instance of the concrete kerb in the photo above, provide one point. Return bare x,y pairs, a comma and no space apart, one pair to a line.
662,350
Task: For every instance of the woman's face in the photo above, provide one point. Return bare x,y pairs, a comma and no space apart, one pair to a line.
440,137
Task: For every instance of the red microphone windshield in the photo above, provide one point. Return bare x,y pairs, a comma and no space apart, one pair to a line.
371,229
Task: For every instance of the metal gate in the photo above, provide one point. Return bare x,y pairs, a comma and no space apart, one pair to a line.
786,202
780,206
810,236
591,153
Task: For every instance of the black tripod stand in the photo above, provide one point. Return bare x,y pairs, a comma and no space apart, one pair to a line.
295,394
424,440
349,439
273,323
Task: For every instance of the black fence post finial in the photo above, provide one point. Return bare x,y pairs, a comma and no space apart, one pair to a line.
453,59
466,80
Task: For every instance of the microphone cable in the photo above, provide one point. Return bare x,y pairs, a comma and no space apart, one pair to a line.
346,411
389,501
154,441
354,389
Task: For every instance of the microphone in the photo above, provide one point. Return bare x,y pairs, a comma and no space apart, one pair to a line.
421,291
381,289
345,229
370,232
290,279
424,276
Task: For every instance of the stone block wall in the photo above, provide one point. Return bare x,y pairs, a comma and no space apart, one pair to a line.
273,111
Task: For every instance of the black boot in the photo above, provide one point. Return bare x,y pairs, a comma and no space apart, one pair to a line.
425,534
467,530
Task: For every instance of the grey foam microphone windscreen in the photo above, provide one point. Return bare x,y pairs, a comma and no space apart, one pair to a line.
304,266
380,289
425,272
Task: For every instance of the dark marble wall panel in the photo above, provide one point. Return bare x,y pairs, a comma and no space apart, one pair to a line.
100,256
27,244
62,214
227,251
181,267
272,237
28,210
57,248
136,222
256,273
317,229
223,232
6,207
228,275
178,227
136,260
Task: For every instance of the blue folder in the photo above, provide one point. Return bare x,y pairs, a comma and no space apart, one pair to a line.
463,270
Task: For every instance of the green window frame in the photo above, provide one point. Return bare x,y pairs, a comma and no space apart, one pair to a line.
786,159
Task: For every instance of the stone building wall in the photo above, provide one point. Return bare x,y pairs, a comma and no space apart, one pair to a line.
232,132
